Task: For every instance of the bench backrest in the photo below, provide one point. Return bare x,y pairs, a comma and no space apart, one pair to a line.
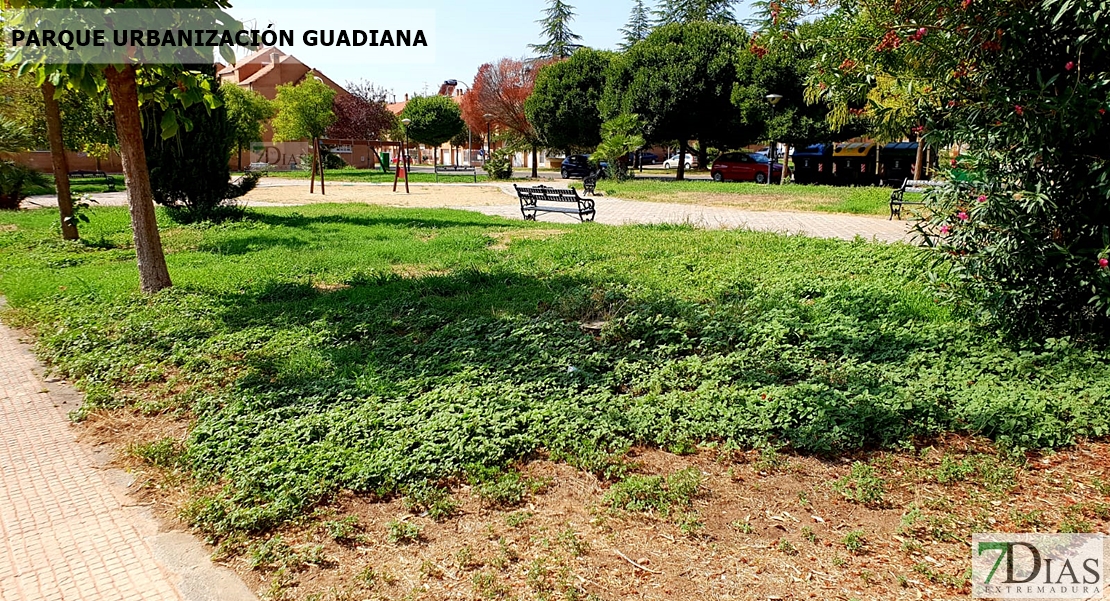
538,193
454,168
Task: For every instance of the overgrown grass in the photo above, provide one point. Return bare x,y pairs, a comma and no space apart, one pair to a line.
334,347
791,197
420,175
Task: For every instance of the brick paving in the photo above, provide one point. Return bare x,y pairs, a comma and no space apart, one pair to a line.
66,535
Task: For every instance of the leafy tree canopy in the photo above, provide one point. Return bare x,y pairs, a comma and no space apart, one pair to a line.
563,106
304,110
435,119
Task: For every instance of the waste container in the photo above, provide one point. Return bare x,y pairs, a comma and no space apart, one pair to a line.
854,164
896,162
385,162
813,164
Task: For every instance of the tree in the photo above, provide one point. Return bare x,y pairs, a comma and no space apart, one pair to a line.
638,27
691,11
304,111
1024,225
435,120
559,39
128,85
563,106
679,80
621,136
247,112
501,89
189,173
362,114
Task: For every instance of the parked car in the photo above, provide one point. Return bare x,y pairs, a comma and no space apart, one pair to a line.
743,167
672,163
646,158
578,165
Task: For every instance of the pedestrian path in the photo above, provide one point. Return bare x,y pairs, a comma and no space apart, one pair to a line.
67,530
615,211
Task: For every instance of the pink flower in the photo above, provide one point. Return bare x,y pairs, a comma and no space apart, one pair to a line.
1104,263
982,198
944,229
952,162
1017,109
1069,66
921,33
962,216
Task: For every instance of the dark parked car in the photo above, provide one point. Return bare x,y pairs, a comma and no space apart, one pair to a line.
578,165
743,167
646,158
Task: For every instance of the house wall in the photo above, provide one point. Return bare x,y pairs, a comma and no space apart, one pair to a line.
40,160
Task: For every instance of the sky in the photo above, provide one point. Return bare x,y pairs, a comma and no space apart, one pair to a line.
468,33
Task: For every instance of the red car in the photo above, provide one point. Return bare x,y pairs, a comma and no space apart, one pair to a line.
743,167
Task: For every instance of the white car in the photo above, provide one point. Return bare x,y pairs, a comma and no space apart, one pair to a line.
672,162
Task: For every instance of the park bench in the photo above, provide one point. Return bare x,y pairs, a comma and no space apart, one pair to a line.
898,195
456,170
81,173
258,167
542,199
589,183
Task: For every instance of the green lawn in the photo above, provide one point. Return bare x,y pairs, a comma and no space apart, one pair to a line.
791,197
334,347
81,185
376,176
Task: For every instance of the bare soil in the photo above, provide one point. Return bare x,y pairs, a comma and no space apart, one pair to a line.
424,196
763,525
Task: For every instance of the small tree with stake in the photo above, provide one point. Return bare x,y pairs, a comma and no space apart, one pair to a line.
304,111
247,111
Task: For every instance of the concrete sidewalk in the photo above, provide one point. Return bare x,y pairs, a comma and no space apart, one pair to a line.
69,531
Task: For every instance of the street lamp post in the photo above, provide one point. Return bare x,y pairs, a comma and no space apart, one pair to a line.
489,143
469,137
401,162
772,99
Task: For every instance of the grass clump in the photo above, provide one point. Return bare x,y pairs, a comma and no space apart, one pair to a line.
655,493
862,485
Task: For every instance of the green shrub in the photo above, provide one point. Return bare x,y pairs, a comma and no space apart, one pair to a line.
655,493
15,180
499,165
402,532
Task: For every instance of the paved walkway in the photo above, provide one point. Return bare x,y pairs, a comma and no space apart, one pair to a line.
616,211
68,531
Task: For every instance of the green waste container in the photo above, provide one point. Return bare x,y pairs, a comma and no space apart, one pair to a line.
385,162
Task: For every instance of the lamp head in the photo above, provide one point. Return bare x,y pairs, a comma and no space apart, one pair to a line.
773,99
406,121
488,116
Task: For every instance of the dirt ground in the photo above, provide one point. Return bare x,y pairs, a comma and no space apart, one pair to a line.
762,525
420,195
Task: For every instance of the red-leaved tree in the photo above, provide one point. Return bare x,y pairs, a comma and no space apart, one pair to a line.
500,89
362,114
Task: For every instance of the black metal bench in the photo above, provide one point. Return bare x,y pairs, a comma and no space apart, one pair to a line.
589,183
456,170
555,200
95,173
898,195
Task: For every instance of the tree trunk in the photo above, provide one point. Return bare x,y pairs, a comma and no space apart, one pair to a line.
153,273
239,155
918,159
315,161
681,160
535,167
58,157
703,153
323,165
785,164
